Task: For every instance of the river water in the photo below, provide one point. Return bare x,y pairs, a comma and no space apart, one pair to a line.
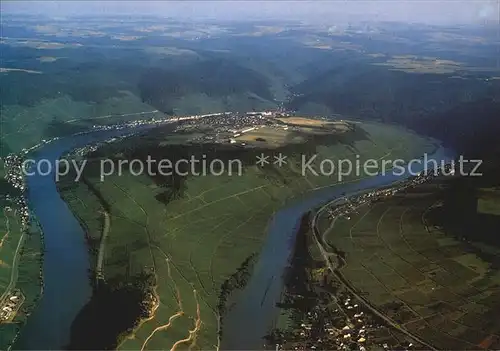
255,312
66,261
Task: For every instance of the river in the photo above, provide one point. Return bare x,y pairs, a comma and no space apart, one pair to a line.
255,312
66,262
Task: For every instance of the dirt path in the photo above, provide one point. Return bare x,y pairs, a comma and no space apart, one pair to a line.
102,246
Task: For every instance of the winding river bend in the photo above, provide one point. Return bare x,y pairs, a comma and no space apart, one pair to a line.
66,261
255,312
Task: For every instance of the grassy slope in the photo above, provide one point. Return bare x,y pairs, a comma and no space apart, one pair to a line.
206,233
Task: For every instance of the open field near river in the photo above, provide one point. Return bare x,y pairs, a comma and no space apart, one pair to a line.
435,286
10,236
194,235
294,130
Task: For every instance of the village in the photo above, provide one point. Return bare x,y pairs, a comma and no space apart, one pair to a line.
326,315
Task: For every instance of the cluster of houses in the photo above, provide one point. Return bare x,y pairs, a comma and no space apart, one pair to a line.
15,175
346,327
21,209
351,204
13,165
10,305
226,126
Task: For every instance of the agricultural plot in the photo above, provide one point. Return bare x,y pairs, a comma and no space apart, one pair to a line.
20,265
433,285
488,201
414,64
10,238
194,241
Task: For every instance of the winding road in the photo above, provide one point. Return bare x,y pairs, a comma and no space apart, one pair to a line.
102,246
333,267
15,262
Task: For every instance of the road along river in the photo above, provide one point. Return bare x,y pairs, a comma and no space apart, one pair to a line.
255,312
329,256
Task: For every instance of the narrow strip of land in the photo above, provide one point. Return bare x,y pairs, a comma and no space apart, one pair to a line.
102,246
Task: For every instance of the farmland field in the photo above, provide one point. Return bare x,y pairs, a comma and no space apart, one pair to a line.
20,264
437,287
190,234
11,238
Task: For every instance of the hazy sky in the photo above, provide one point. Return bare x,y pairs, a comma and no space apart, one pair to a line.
427,11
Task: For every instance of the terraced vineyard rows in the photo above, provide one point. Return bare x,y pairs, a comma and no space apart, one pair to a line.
432,284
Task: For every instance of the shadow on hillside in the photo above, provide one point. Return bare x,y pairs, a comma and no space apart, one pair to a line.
459,216
111,313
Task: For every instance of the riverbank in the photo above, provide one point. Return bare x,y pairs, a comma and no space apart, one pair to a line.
283,227
230,289
315,289
404,270
126,303
65,264
21,254
317,312
27,280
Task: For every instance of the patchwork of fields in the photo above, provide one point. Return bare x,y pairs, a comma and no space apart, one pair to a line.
435,286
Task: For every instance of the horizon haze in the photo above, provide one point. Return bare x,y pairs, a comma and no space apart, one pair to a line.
438,12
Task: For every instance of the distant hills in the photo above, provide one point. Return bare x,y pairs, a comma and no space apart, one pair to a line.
471,127
360,73
461,112
219,79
